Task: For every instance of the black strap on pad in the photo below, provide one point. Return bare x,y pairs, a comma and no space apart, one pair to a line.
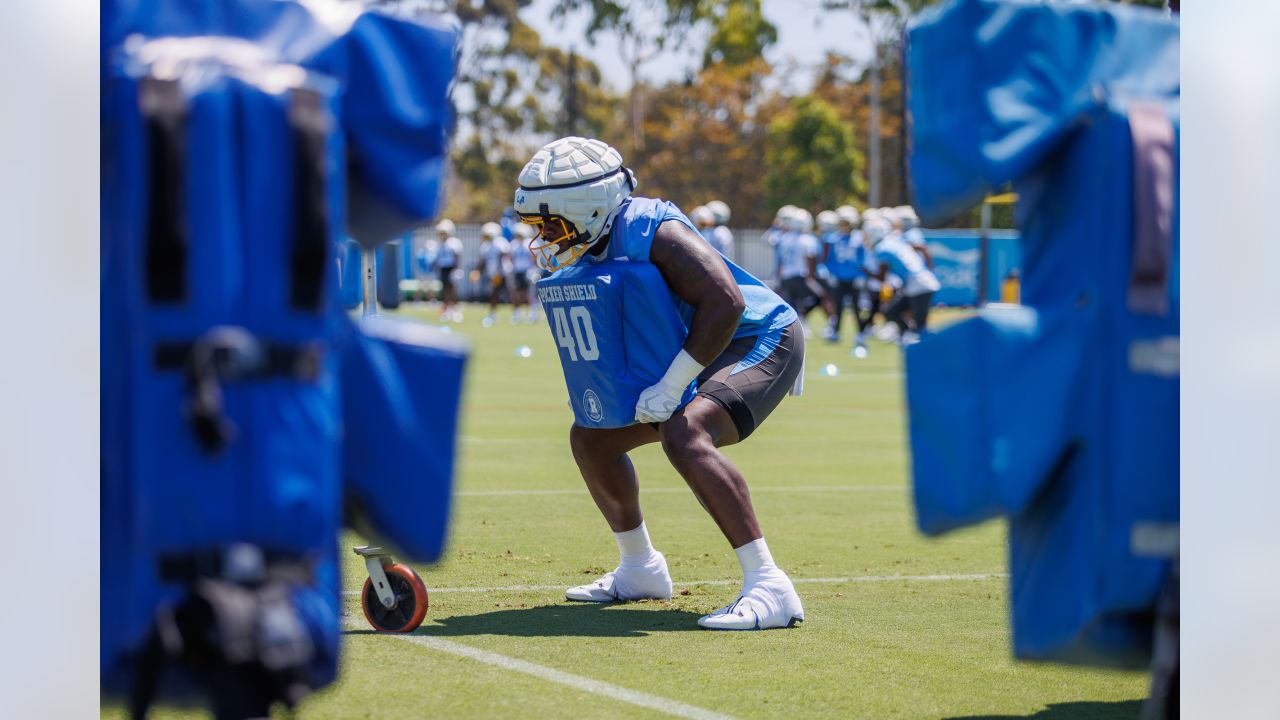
167,236
310,124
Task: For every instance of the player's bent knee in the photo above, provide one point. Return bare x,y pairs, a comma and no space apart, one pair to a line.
684,440
580,443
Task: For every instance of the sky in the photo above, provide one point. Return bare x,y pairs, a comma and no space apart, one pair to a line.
805,33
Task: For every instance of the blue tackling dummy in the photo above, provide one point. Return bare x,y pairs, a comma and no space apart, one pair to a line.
242,412
1062,413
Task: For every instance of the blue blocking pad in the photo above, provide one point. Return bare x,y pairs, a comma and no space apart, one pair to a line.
617,329
1061,415
226,192
992,402
221,425
401,385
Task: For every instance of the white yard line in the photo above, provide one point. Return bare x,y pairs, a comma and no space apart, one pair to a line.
661,704
577,682
663,490
797,581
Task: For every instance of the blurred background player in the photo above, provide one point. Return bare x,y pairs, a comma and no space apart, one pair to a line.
425,270
721,236
843,256
797,268
896,256
826,230
743,349
873,228
773,234
908,224
494,266
705,222
523,275
448,257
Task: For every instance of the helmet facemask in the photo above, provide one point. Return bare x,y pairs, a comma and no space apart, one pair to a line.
557,242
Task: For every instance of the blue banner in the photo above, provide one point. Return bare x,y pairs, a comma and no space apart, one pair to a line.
957,257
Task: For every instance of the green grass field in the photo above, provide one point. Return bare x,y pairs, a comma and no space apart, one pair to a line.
898,625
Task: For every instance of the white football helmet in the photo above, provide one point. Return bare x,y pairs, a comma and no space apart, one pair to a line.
907,215
702,216
849,214
875,229
570,191
827,220
491,230
446,227
720,211
780,218
799,220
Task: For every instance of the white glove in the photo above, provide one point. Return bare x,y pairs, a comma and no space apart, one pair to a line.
659,400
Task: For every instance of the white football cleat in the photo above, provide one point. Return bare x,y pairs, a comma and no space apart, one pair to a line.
768,601
887,333
649,581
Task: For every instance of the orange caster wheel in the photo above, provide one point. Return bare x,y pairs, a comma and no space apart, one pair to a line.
394,598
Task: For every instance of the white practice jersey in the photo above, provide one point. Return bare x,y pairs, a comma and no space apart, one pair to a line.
794,251
450,253
427,257
721,238
494,255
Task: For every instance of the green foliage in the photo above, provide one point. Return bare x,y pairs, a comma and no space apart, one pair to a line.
811,160
692,140
706,139
741,34
510,92
627,18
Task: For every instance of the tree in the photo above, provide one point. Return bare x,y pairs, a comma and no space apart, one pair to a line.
811,160
642,30
707,140
741,34
510,98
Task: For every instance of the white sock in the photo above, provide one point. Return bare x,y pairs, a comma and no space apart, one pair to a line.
634,546
754,557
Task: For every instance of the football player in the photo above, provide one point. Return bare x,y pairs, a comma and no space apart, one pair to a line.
448,257
721,235
704,221
895,255
797,269
909,222
523,275
743,348
495,264
826,221
843,256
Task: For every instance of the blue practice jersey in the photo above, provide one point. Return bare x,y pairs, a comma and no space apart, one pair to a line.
844,260
825,241
906,263
632,237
